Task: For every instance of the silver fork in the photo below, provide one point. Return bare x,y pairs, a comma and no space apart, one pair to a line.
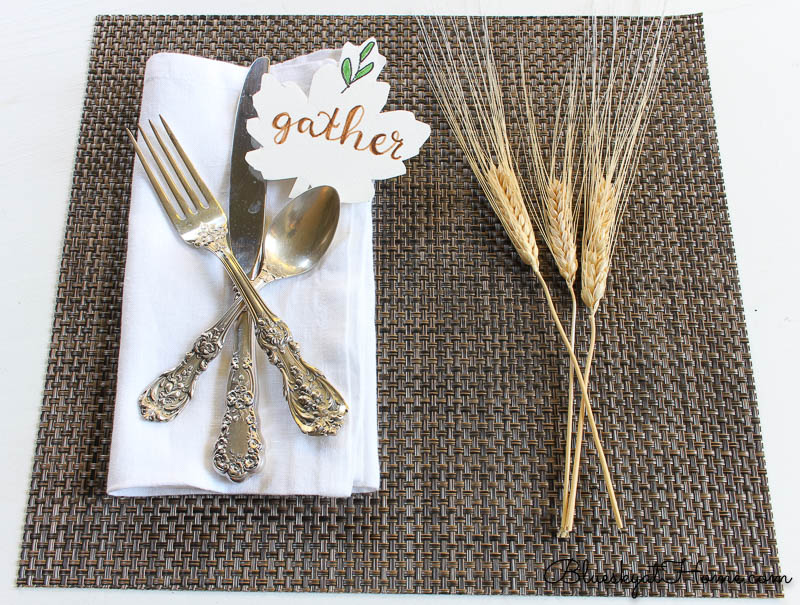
315,404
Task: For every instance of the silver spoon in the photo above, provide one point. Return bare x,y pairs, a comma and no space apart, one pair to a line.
298,237
290,248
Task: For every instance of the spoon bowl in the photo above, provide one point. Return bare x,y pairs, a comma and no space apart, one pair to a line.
301,232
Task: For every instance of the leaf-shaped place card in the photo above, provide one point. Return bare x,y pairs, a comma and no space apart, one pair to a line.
336,135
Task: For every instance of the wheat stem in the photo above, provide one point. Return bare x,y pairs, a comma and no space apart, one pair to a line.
584,400
586,410
570,398
579,435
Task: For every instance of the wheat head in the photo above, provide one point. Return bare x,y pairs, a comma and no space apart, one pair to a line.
464,77
560,229
550,169
505,195
598,241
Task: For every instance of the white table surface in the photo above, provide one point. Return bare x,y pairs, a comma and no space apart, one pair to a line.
754,60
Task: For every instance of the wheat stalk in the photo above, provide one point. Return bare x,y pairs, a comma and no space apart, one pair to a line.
465,80
618,113
556,213
562,244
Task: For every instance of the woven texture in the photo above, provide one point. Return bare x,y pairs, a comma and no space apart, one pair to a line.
471,374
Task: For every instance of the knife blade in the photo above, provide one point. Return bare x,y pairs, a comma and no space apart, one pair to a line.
237,452
246,209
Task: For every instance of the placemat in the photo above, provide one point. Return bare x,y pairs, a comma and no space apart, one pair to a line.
471,375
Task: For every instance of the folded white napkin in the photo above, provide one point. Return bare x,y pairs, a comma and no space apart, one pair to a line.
174,292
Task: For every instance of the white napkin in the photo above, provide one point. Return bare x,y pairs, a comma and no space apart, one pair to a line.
174,292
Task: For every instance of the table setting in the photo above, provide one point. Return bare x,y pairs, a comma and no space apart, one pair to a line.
335,315
474,324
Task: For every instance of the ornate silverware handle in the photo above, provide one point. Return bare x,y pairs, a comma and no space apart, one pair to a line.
237,452
316,406
168,394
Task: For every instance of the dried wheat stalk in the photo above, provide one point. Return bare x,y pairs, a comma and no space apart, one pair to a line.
464,79
617,115
556,214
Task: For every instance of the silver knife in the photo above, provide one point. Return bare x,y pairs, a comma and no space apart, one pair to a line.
237,452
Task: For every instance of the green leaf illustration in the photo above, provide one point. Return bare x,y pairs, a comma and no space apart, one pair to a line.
347,71
365,51
364,71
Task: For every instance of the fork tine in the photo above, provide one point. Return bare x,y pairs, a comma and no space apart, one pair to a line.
210,199
187,210
162,195
176,168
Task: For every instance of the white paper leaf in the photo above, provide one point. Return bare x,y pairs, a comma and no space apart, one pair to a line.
337,135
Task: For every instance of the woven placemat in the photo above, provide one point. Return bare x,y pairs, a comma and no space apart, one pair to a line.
471,375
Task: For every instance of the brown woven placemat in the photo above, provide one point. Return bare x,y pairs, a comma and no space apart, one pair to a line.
471,376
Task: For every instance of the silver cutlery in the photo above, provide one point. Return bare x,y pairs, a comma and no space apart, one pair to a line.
297,239
237,451
316,406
